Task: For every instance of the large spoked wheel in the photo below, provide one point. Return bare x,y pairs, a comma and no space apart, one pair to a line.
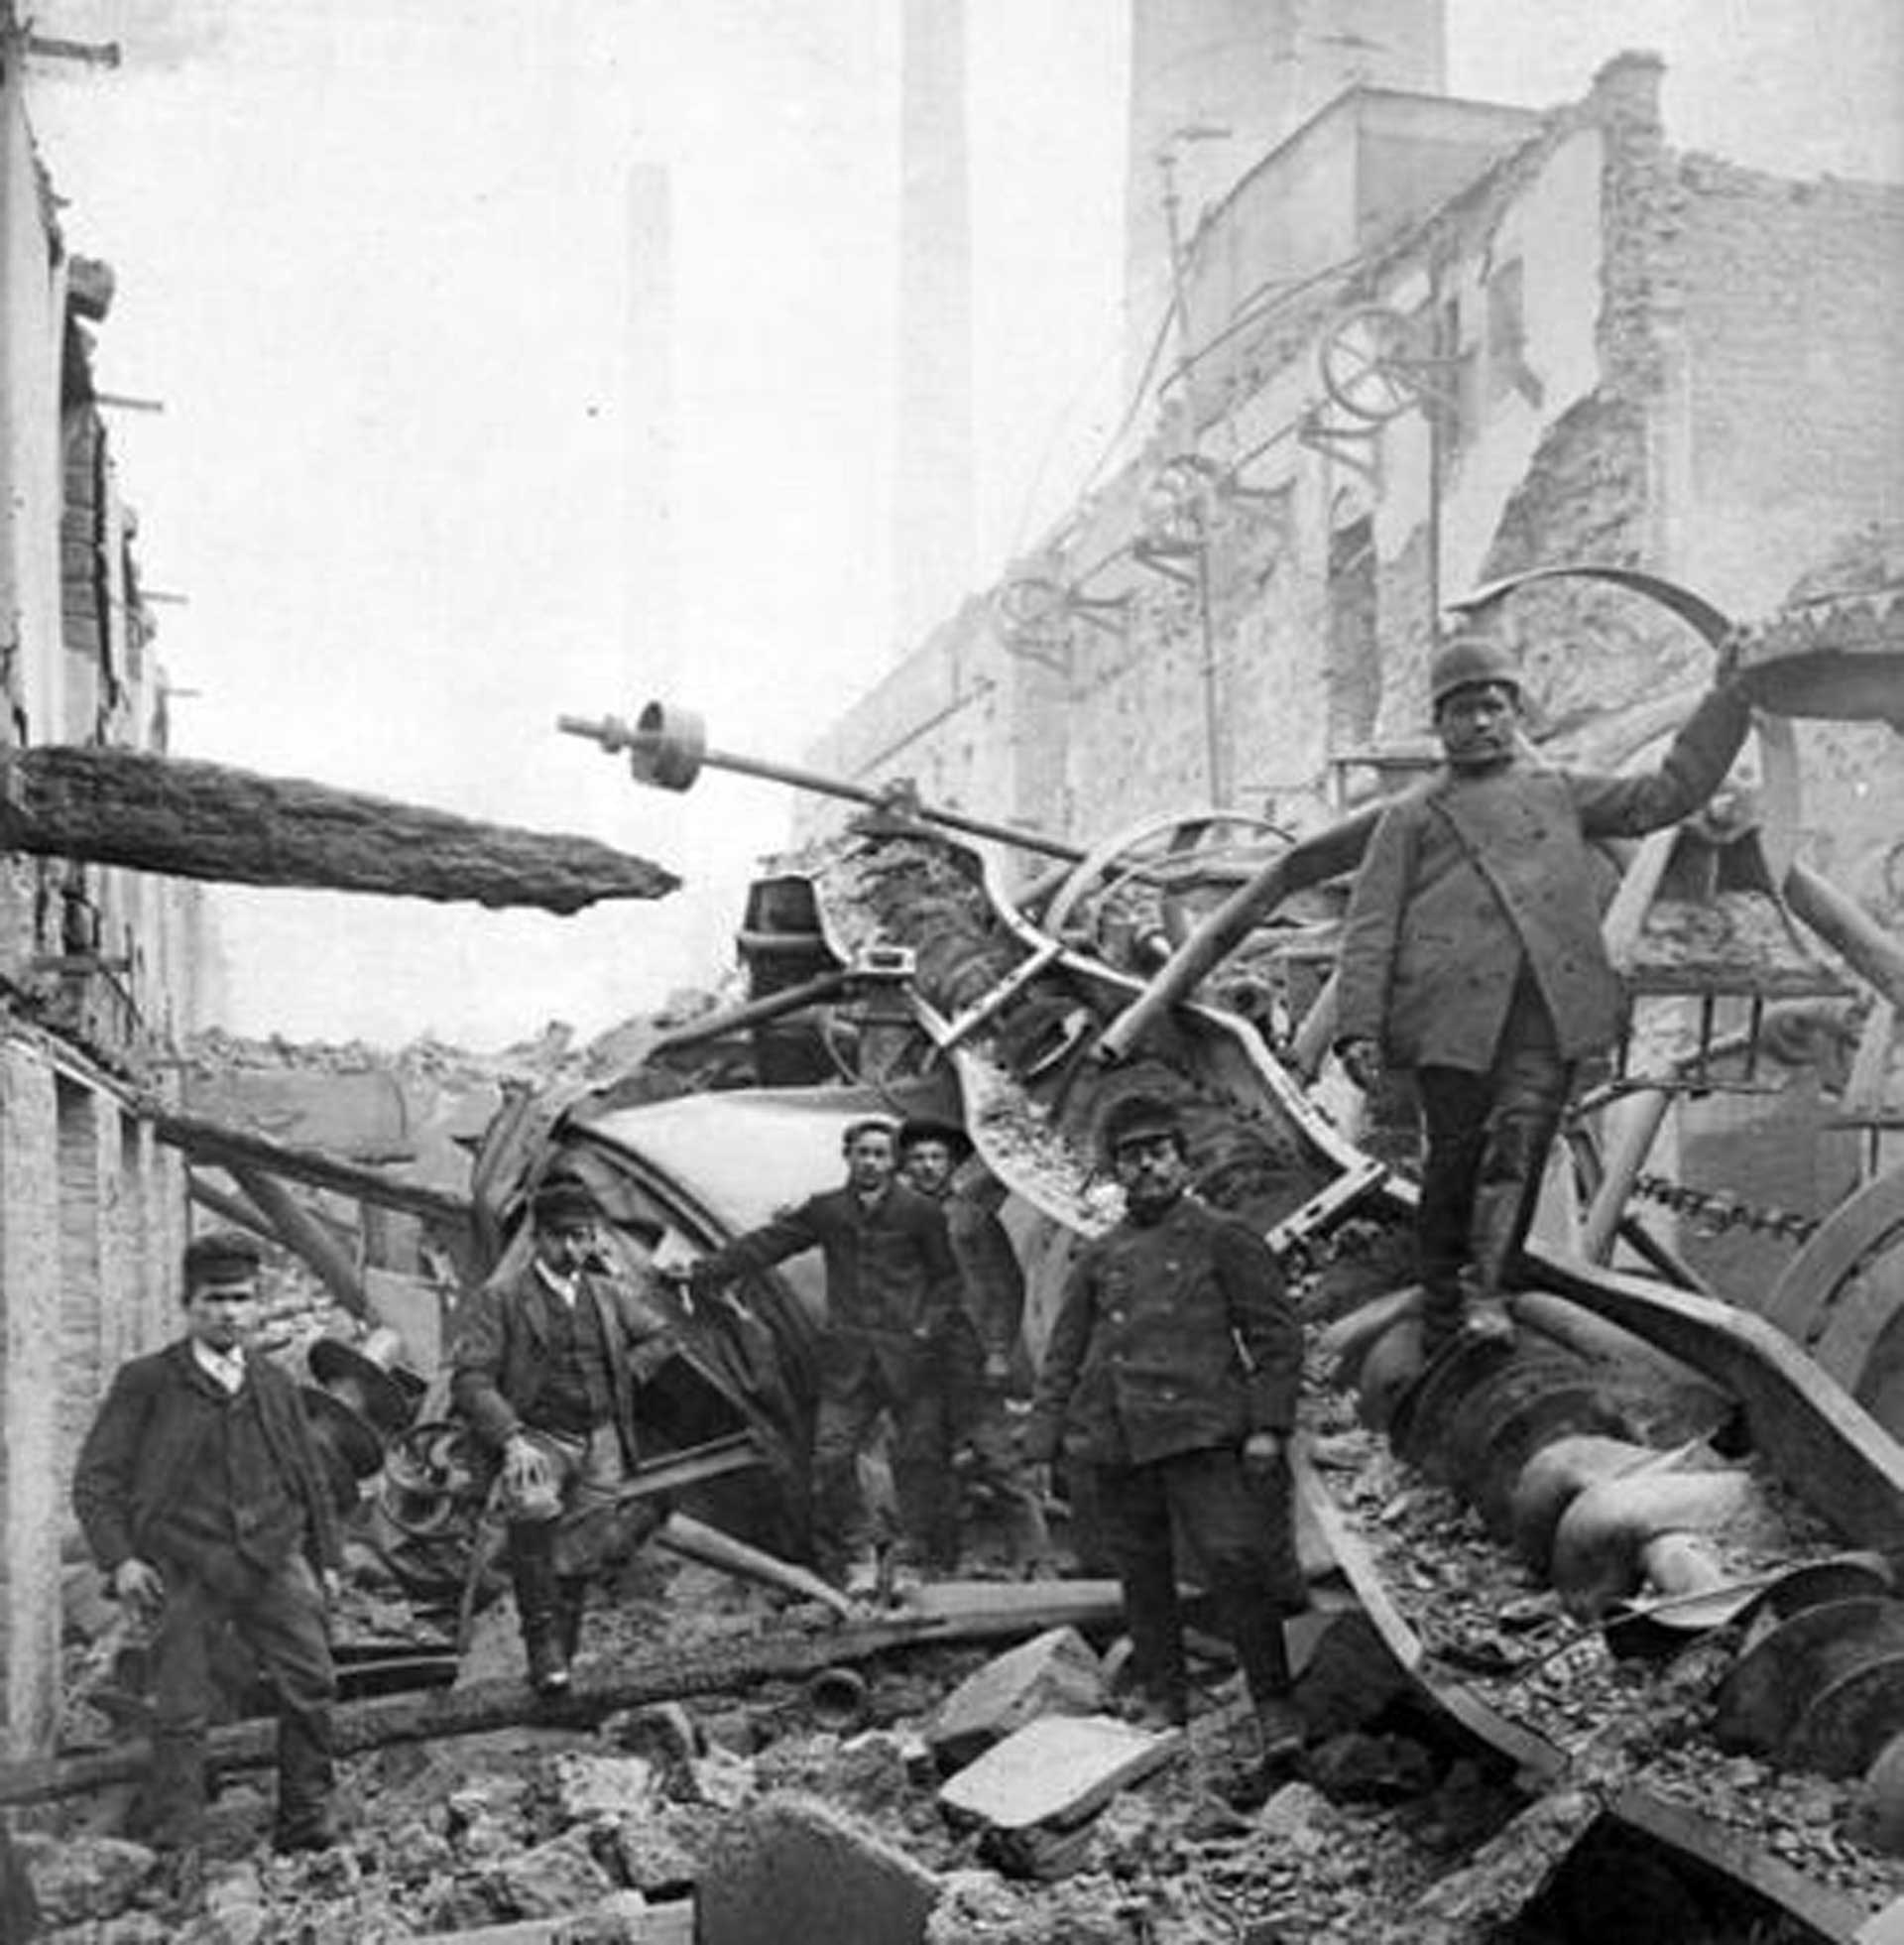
1156,879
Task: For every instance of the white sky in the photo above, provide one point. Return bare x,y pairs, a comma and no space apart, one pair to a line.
372,256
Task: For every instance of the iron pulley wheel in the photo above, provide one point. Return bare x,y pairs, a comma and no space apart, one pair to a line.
1372,366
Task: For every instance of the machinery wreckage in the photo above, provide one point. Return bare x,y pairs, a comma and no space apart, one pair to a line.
1711,1495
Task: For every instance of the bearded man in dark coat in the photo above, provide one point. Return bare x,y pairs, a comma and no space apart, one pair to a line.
1471,954
1172,1372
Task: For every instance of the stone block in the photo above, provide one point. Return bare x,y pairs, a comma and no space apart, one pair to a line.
593,1786
801,1870
1053,1673
80,1878
1056,1772
558,1877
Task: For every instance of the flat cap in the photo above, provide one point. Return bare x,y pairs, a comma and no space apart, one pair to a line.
222,1256
925,1127
564,1198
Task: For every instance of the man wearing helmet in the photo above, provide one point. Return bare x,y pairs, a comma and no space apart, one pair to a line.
1471,954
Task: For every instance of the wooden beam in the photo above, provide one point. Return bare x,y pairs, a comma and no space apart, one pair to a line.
305,1237
234,1148
991,1610
233,1209
189,819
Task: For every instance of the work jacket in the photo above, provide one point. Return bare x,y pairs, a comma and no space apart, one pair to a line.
500,1359
891,1280
150,1432
1171,1336
990,1279
1473,876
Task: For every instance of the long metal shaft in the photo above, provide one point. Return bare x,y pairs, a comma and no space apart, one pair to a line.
814,779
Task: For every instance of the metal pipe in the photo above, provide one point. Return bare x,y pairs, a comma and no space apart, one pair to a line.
1844,925
751,1013
1637,1124
1324,856
613,734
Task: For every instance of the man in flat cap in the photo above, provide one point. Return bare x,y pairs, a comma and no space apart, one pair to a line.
546,1366
1471,956
202,1496
891,1300
985,1354
1172,1372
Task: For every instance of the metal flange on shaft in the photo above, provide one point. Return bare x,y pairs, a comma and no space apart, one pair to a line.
665,748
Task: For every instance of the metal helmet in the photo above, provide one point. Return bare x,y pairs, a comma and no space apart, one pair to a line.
1466,658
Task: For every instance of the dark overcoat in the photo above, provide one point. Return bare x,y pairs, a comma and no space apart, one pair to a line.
150,1432
1471,876
891,1282
1170,1337
500,1357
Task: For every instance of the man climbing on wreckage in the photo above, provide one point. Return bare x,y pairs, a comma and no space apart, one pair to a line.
546,1365
986,1355
1471,954
1172,1372
200,1493
892,1305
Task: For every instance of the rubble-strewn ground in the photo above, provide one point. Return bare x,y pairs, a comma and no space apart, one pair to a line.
537,1820
541,1820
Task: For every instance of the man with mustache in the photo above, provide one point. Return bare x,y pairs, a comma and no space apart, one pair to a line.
1471,954
1172,1372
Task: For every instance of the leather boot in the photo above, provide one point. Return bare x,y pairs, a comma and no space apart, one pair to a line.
306,1776
531,1565
571,1598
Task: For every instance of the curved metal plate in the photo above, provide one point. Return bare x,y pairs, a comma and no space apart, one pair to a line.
1693,609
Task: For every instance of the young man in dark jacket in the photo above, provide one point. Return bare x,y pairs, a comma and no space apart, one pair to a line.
1471,954
1172,1371
891,1301
202,1496
987,1352
546,1363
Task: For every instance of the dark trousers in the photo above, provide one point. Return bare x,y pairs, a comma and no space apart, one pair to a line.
280,1617
1222,1519
1487,1142
921,1470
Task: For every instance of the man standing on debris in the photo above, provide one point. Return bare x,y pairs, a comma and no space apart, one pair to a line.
546,1363
892,1302
202,1496
1471,954
1172,1371
985,1354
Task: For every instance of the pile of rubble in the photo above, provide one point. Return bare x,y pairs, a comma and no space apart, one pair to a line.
936,1795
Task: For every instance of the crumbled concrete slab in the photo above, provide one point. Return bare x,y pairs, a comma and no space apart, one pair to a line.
803,1871
1053,1673
1057,1770
588,1786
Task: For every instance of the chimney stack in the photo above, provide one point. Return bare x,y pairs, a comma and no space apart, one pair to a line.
933,480
1215,84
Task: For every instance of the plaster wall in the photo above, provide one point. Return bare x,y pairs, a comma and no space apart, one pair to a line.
31,322
31,1517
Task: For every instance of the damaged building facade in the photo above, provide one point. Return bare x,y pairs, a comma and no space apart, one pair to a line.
1421,344
99,968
